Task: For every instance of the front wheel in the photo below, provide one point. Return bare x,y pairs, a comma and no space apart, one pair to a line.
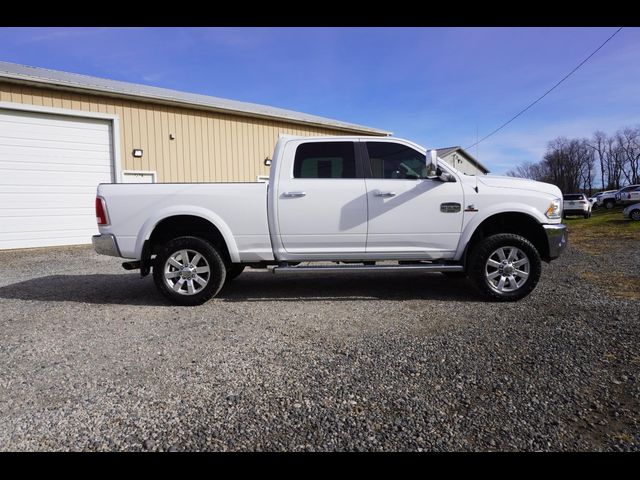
234,271
189,271
505,267
635,215
609,204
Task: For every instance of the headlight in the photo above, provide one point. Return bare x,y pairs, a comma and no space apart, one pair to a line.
555,209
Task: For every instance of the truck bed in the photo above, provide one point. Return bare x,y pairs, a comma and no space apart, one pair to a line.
241,208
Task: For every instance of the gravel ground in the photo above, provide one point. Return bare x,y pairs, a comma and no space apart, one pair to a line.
92,358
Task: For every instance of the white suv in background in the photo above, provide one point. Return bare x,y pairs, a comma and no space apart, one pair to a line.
576,204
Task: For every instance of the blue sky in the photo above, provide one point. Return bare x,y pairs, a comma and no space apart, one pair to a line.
435,86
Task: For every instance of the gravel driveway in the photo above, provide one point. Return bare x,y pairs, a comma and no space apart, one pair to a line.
92,358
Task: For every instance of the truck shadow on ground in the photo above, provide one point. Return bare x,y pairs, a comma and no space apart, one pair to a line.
251,286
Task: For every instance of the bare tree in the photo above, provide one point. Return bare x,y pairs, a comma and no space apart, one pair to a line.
599,145
530,170
628,140
578,164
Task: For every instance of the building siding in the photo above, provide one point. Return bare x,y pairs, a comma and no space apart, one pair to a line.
465,166
208,146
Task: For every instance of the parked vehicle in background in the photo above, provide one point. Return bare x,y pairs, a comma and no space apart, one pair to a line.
345,200
596,200
576,204
609,200
628,195
632,212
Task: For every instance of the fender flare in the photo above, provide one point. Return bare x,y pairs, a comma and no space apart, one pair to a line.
151,223
511,207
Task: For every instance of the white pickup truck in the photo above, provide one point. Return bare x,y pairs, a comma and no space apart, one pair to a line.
341,204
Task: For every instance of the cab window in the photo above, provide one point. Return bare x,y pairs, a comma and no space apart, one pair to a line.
395,161
325,160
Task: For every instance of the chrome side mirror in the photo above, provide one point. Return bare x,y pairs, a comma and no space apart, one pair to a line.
432,164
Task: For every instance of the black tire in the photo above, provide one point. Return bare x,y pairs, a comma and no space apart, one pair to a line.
234,271
214,282
634,215
609,204
586,215
478,265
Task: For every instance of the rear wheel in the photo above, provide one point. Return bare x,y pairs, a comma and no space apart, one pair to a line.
635,215
505,267
189,271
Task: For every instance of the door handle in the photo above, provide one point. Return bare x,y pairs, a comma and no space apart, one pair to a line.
378,193
294,194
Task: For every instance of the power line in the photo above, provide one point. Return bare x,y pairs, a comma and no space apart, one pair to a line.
547,92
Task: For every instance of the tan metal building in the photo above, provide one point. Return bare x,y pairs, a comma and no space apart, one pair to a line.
62,133
462,161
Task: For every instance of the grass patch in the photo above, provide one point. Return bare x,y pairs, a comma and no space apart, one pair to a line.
617,284
594,235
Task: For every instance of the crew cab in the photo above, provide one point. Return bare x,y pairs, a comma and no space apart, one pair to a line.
337,204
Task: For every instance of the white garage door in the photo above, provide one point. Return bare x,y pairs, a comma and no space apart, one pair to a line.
50,166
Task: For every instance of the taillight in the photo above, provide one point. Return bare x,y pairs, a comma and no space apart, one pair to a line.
101,212
583,201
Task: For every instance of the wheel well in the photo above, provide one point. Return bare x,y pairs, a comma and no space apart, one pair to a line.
187,225
516,223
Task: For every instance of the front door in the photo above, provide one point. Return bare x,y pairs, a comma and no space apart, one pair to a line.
408,213
322,201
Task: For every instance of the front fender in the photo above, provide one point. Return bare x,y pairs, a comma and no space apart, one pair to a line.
158,216
510,207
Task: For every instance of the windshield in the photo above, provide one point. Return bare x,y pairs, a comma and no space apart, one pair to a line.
574,197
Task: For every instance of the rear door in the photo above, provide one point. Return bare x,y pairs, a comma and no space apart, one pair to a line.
408,213
322,201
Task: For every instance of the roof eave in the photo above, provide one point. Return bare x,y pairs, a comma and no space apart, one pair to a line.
54,84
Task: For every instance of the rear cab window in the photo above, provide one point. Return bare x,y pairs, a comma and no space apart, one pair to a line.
330,160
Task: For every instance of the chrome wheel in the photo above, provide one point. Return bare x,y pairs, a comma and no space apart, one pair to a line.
507,269
635,215
186,272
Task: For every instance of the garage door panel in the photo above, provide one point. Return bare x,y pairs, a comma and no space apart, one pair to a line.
48,239
80,157
50,166
7,167
43,222
43,143
54,201
53,132
50,177
40,192
56,121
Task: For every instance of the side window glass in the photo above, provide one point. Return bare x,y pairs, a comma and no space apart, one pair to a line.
394,161
325,160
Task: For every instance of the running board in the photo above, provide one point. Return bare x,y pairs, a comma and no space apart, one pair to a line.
370,268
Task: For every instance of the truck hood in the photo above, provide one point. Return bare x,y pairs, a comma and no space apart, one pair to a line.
500,181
